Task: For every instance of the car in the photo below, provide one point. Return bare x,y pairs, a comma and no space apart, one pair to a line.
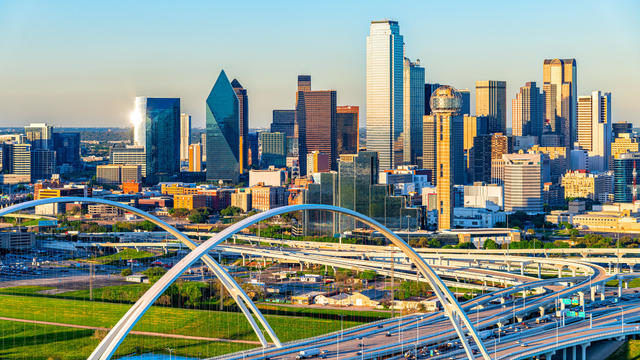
524,345
388,334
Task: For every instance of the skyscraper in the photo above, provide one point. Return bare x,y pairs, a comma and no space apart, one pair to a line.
274,149
488,149
429,149
559,78
523,182
625,175
223,132
195,157
157,129
621,128
446,103
347,129
43,163
284,122
385,48
67,147
491,101
243,129
185,136
413,108
428,90
528,111
40,136
316,122
473,126
130,155
466,101
594,129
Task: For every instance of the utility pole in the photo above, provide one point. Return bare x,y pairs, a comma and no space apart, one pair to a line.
392,284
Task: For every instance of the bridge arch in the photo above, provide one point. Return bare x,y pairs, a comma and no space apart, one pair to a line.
452,309
244,302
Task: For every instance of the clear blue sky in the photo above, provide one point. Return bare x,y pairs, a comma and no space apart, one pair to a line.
81,63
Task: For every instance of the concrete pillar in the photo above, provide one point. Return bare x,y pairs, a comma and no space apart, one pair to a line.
301,266
522,269
593,293
631,267
541,308
602,291
581,295
502,301
584,351
564,354
539,271
244,263
619,288
573,349
626,284
573,271
508,266
560,271
219,257
264,261
548,355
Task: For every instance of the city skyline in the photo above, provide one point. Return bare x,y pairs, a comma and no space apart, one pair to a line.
268,65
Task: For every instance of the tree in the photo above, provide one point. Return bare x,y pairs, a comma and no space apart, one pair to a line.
126,272
490,244
179,212
434,243
154,273
230,211
146,225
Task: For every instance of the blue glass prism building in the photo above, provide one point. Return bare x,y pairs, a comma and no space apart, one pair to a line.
158,131
223,132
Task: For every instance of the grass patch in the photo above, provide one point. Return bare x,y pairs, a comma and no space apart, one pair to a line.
34,341
24,290
351,315
125,254
117,293
217,324
632,284
630,350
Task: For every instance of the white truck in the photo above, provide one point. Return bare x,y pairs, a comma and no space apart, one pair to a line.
310,353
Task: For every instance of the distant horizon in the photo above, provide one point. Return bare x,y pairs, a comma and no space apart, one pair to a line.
75,62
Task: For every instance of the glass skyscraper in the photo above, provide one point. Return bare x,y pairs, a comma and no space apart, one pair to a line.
625,183
348,132
385,58
67,147
413,111
157,128
274,149
243,126
223,132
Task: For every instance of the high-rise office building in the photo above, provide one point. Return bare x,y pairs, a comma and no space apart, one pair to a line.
347,129
384,86
195,157
203,142
486,154
318,162
446,103
594,129
428,90
559,78
16,158
40,136
621,128
254,150
67,148
624,143
523,182
491,101
223,132
130,155
185,136
284,122
274,149
413,108
157,129
527,115
473,126
429,149
43,163
316,122
243,127
625,175
466,101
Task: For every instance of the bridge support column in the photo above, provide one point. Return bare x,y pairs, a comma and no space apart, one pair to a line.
508,266
626,284
573,271
593,293
541,308
619,288
220,257
573,352
630,267
581,296
548,355
244,262
522,269
584,351
602,292
560,271
301,266
539,271
564,354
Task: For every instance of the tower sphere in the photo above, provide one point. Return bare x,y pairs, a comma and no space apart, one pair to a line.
446,99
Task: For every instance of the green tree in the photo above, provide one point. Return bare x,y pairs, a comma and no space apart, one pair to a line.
490,244
154,273
126,272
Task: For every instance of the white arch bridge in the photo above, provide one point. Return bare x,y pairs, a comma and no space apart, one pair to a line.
116,335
